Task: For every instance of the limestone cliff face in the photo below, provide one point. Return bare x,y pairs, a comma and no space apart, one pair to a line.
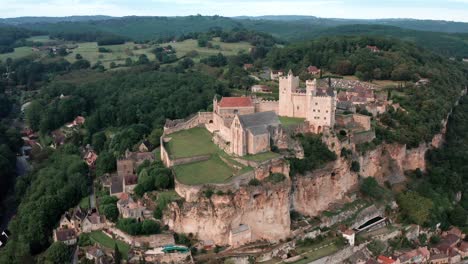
314,192
264,208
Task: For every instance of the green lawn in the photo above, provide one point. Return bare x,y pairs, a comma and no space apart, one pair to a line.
18,53
262,156
89,51
84,203
191,142
290,121
213,170
228,49
319,253
104,240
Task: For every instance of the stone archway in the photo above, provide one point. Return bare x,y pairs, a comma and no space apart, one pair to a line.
319,129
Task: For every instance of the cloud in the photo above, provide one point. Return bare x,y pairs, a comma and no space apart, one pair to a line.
421,9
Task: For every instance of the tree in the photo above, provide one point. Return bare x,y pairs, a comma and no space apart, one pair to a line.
355,166
78,56
105,163
143,59
98,141
58,253
371,188
117,255
458,216
154,137
415,207
376,247
80,64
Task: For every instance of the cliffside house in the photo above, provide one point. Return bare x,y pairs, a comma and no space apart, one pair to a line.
65,235
313,70
349,235
240,235
128,208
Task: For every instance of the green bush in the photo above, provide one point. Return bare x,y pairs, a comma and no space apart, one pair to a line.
254,182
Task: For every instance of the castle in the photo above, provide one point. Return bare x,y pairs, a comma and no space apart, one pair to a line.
316,105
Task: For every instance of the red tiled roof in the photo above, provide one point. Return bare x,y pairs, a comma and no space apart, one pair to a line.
235,102
385,260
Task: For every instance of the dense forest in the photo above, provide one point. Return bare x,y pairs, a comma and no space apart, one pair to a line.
438,36
11,36
400,61
443,189
44,194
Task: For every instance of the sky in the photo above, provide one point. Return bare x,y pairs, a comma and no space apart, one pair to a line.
452,10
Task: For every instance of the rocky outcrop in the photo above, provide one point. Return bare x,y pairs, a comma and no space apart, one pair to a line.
264,208
314,192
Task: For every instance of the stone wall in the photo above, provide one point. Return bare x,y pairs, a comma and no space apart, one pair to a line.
198,119
360,137
363,121
266,105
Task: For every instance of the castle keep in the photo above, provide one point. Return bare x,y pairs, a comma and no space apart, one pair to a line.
316,105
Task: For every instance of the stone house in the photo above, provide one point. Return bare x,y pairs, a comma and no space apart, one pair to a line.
116,186
94,253
128,208
145,146
440,258
275,74
260,89
93,222
349,235
313,70
387,260
240,235
419,255
462,249
65,235
66,221
90,158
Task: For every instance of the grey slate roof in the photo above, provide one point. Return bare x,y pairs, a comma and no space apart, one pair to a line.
116,185
258,119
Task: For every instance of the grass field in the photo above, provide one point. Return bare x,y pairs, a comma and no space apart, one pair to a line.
41,38
104,240
228,49
18,53
213,170
191,142
290,121
90,52
261,156
319,253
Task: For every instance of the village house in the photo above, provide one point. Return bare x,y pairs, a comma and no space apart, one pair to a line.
313,70
373,48
78,121
92,222
145,146
90,158
349,235
128,208
275,74
260,89
66,221
419,255
116,186
94,253
387,260
248,66
440,258
65,235
240,235
462,249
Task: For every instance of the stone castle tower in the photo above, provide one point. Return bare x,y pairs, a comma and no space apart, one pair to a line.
317,106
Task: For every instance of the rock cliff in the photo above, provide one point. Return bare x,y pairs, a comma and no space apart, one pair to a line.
264,208
314,192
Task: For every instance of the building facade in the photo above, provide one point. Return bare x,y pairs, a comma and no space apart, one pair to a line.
316,105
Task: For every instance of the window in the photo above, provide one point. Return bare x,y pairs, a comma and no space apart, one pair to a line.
314,110
297,107
318,110
316,103
236,111
325,118
326,111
